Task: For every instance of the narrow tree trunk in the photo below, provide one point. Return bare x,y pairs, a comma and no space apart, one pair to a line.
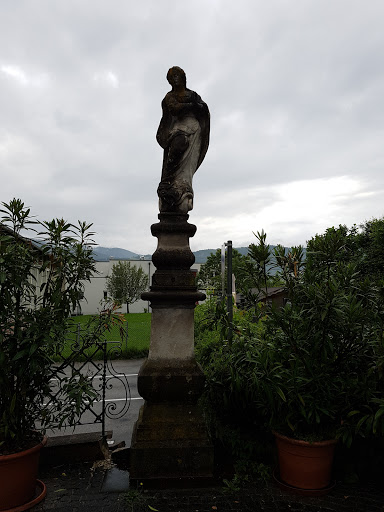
127,308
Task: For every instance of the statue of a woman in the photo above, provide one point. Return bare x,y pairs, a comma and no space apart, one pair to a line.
184,135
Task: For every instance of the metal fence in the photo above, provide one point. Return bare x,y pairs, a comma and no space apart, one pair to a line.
92,364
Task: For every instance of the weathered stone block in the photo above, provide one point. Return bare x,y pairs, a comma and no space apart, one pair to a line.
170,441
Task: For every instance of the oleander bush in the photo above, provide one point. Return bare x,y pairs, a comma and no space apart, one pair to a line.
313,369
43,267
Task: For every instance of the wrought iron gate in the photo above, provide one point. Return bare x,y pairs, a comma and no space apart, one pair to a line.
94,365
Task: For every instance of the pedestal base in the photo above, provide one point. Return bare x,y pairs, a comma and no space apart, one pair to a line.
170,441
171,381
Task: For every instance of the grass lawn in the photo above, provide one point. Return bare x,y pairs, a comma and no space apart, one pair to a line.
135,345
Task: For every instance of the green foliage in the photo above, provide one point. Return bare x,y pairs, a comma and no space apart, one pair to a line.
362,246
209,276
40,284
247,471
312,369
326,342
371,243
126,283
134,498
212,324
258,262
230,395
264,267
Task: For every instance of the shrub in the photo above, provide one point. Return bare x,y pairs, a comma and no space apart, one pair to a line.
40,284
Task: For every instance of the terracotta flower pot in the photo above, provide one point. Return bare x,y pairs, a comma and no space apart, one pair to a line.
305,465
18,474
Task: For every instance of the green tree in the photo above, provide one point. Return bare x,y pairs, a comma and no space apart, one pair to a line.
209,275
362,246
313,368
260,269
126,283
371,242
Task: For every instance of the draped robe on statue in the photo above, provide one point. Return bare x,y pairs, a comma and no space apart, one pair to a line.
184,135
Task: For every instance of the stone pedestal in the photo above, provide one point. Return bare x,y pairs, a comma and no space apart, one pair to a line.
170,440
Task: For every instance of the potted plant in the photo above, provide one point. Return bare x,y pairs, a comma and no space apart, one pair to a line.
320,364
41,281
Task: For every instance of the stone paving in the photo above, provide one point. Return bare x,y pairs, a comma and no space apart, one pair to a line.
75,488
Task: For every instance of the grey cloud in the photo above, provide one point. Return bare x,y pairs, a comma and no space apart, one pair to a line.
294,92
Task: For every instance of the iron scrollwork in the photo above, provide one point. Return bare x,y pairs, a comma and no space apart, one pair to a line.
94,365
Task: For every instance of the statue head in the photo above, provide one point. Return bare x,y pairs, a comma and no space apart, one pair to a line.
176,75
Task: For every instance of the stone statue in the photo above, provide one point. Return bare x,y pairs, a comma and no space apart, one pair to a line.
183,133
170,441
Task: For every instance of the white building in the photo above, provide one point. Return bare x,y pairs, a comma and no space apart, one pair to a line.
95,291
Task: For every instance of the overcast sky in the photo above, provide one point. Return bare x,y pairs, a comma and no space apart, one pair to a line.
295,90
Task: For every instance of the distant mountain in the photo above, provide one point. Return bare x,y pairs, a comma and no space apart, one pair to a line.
115,253
202,255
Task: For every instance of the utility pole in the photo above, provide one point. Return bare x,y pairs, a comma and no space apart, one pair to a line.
149,280
229,290
222,264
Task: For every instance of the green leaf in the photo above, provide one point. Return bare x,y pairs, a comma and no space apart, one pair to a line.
33,349
290,425
361,421
378,414
279,391
20,354
352,413
13,404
